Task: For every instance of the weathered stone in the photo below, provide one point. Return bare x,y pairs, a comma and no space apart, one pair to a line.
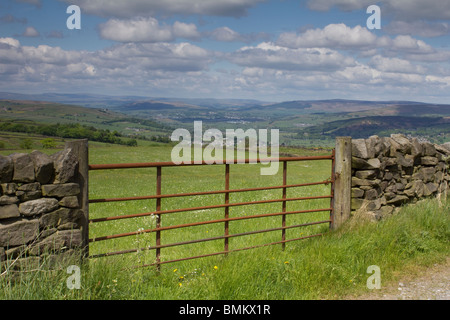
429,161
6,169
357,193
427,174
402,143
403,160
30,195
359,148
366,174
356,203
358,163
446,146
374,146
5,200
2,254
16,233
398,200
386,210
371,194
66,165
9,188
72,238
416,147
60,190
428,149
429,189
50,244
61,216
9,211
364,182
23,168
43,166
69,202
30,187
39,206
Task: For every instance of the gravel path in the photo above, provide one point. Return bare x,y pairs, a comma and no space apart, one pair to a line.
429,284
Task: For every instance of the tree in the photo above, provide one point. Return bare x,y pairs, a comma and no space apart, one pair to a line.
48,143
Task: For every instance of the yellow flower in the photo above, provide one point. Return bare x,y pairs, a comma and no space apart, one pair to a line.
175,270
286,262
179,284
216,267
181,278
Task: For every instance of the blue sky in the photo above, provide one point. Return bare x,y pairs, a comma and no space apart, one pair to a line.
274,50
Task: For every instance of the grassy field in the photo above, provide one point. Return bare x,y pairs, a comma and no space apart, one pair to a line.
329,267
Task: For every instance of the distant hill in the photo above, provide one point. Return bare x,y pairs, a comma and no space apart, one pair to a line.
300,121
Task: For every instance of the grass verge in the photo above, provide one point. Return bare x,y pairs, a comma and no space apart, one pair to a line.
330,267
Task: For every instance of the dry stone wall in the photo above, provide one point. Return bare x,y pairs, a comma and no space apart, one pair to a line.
40,215
388,172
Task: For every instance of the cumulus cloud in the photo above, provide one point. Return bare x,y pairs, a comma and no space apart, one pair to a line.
132,8
338,36
269,55
358,38
146,30
127,65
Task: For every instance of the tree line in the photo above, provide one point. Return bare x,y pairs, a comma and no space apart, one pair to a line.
69,131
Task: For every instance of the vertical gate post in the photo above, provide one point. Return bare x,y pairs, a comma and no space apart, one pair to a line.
81,150
342,181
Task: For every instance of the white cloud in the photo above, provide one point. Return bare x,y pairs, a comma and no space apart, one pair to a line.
337,36
395,65
146,30
132,8
272,56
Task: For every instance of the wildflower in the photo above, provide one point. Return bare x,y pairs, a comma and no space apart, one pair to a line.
286,262
180,285
175,270
181,277
216,267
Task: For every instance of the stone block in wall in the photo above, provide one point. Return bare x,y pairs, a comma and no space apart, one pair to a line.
60,190
429,161
429,189
359,149
62,216
69,202
429,149
38,207
43,166
66,165
29,191
9,188
357,193
23,168
366,174
9,211
6,169
6,200
15,233
399,142
358,163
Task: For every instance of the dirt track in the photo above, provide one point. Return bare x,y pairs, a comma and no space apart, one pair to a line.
428,284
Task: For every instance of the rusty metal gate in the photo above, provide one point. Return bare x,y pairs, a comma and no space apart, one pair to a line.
159,213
